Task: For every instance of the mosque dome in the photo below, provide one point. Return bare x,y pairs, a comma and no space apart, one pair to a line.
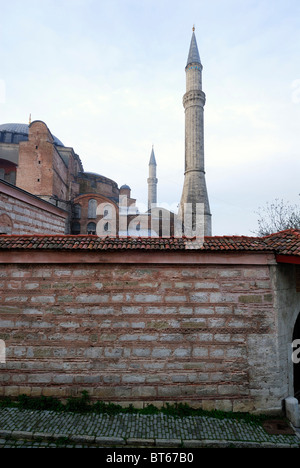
125,187
14,133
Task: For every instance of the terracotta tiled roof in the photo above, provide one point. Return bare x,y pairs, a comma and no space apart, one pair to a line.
285,243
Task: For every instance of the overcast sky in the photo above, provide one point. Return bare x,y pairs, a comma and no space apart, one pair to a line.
108,78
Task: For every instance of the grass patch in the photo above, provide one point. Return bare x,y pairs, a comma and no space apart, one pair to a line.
83,404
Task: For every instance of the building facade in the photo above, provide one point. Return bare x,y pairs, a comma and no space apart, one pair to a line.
38,163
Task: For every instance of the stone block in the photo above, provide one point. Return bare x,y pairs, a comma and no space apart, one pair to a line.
292,411
110,441
43,299
147,298
250,299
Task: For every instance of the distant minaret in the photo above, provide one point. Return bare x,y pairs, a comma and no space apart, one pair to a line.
152,181
194,189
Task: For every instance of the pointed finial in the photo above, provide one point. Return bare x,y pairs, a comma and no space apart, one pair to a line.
29,119
194,28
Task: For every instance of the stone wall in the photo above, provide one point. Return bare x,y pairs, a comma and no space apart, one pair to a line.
22,213
35,165
141,330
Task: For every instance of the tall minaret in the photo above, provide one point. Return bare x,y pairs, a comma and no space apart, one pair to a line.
194,189
152,181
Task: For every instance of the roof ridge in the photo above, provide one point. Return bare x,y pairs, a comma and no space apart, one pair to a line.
289,230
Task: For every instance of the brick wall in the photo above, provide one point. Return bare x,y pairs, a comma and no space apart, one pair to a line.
139,333
35,166
21,213
60,177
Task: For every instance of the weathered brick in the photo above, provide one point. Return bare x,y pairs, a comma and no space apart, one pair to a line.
182,352
9,310
63,379
14,284
92,298
32,286
222,297
147,298
43,299
206,285
250,299
200,297
200,352
133,379
175,298
160,310
161,353
16,298
132,310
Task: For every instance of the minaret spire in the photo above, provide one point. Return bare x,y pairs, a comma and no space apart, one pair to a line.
152,181
194,189
194,56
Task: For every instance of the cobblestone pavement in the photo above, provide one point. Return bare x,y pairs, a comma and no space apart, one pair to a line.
37,429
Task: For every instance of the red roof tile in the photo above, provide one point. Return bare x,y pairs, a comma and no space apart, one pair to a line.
284,243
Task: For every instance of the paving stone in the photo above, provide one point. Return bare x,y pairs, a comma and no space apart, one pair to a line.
83,439
22,435
109,441
139,441
168,442
69,430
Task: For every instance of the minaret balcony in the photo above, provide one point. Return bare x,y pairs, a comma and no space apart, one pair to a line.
194,98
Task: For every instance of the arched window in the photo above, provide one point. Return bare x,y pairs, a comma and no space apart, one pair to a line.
77,211
107,212
107,227
91,228
76,228
92,209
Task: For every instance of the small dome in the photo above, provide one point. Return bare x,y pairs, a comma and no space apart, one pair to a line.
125,187
14,133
